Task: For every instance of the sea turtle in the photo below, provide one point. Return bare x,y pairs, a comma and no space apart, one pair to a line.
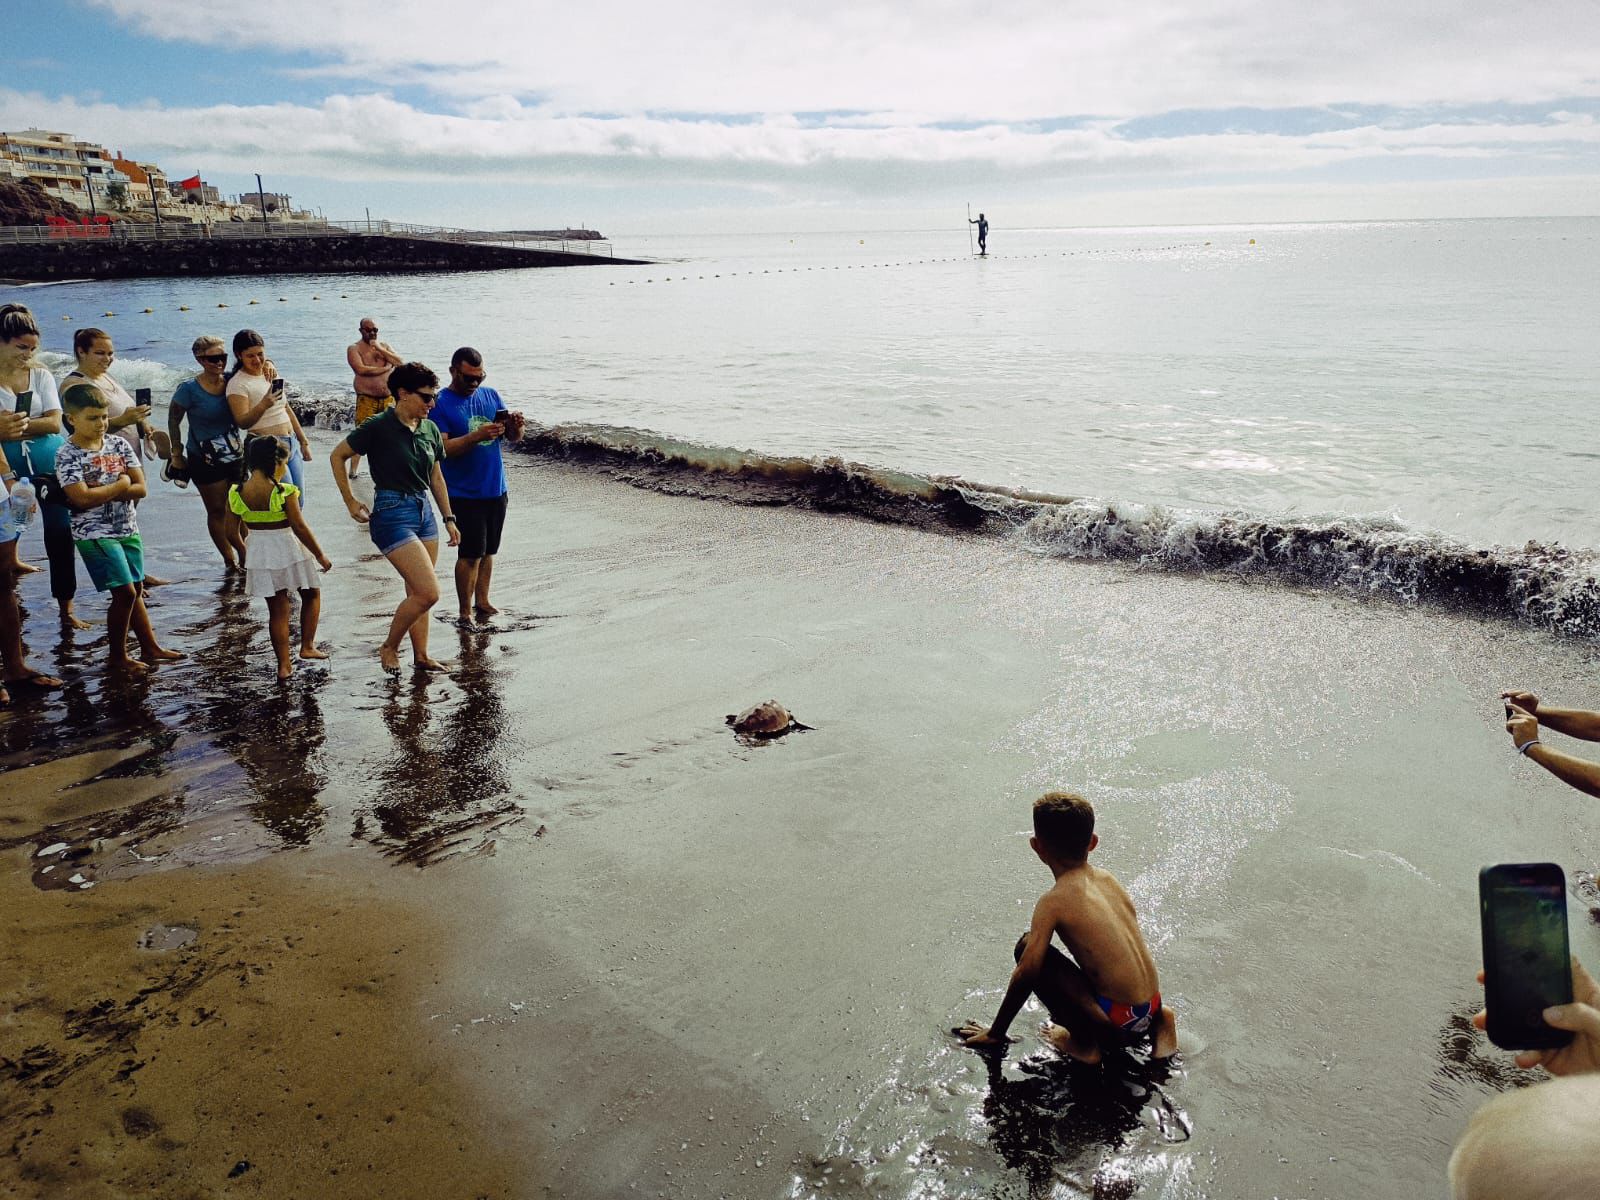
769,719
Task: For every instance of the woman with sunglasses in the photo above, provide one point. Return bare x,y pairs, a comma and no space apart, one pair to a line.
403,450
211,454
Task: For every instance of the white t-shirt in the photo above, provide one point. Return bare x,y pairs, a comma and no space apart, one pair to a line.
253,388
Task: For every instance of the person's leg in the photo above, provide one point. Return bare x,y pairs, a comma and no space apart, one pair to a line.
57,521
13,654
297,468
480,596
310,615
415,564
118,619
494,524
419,630
151,650
466,584
1078,1024
215,496
278,628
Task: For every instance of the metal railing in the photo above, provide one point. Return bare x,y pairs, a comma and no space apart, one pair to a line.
172,230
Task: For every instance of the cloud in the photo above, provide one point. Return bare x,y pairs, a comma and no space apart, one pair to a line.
377,137
949,60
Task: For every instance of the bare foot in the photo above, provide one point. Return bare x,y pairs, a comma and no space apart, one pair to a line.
162,654
389,659
71,620
23,568
285,674
131,665
485,609
153,581
1166,1034
312,652
465,621
429,664
1062,1039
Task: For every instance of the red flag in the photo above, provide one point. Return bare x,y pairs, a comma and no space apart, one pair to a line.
190,183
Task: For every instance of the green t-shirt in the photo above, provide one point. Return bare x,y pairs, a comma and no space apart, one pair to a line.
401,459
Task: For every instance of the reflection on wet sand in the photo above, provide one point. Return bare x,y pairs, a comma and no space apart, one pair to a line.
1045,1125
445,788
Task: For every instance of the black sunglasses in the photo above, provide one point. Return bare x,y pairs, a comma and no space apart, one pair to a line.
213,358
427,395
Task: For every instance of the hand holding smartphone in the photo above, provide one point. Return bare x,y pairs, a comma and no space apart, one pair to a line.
277,386
1527,963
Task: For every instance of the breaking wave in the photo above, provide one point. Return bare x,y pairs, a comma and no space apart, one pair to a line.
1548,586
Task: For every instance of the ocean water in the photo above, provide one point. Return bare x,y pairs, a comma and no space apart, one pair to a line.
1394,390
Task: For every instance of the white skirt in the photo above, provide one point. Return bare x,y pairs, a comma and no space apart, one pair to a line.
275,560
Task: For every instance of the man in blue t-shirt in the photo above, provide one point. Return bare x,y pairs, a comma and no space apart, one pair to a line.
474,422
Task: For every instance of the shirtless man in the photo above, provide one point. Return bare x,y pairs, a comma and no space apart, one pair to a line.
371,360
1107,994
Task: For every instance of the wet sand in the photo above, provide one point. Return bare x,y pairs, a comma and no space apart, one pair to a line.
543,927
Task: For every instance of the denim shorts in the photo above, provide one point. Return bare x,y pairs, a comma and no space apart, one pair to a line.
401,517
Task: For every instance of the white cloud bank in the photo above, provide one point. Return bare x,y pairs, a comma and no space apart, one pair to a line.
376,137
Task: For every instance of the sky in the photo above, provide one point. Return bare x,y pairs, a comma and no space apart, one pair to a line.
719,116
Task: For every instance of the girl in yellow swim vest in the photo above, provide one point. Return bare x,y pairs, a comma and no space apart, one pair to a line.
284,554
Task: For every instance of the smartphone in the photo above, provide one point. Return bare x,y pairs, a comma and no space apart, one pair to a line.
501,416
141,395
277,386
1527,965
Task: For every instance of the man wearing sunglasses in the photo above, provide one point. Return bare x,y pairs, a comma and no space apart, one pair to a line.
371,360
475,423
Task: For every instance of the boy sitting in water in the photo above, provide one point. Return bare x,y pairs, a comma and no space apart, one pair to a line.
1107,994
100,477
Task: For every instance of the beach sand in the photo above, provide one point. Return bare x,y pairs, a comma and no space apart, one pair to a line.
544,927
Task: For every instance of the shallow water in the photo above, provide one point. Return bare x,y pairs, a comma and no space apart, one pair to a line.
1434,373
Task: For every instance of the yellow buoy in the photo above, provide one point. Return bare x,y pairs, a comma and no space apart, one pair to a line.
66,318
149,310
1252,241
255,302
183,308
109,314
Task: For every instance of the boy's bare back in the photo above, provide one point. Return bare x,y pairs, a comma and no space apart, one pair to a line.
1095,919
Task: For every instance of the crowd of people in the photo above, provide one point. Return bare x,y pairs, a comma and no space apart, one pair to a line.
77,452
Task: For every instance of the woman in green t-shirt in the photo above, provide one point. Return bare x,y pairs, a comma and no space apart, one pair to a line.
403,450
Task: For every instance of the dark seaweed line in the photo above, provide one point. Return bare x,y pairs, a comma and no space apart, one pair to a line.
1545,586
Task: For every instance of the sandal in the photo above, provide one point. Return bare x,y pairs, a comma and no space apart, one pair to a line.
39,680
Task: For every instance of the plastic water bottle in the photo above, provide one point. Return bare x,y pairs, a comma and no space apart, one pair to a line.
17,510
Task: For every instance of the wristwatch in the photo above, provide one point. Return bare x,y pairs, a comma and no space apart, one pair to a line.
450,519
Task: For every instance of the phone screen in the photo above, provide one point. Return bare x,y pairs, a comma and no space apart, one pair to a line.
1526,961
277,385
141,395
501,416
